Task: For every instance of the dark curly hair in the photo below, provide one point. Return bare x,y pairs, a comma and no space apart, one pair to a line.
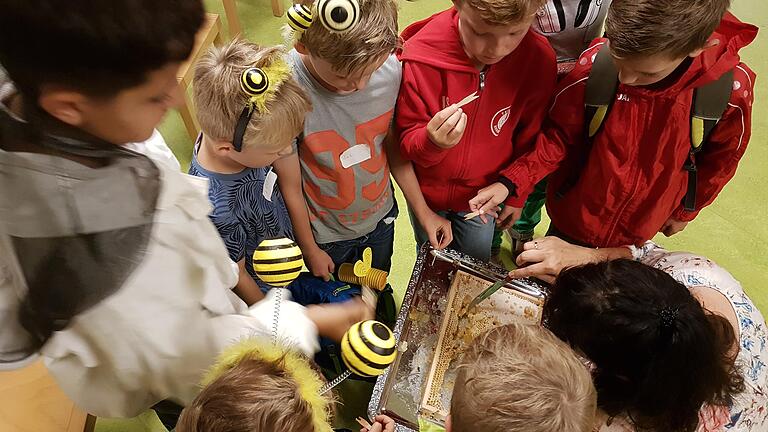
659,355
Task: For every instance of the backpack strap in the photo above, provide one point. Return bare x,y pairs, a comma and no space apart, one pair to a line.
599,95
601,89
709,104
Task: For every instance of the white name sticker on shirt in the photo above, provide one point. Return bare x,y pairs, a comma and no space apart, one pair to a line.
269,185
355,155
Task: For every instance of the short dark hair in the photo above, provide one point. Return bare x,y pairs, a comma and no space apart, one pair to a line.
659,355
674,28
94,46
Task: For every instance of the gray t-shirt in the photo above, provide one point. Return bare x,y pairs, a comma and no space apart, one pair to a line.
347,193
570,25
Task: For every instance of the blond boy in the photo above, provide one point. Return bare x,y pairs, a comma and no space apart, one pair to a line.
483,48
519,378
337,187
248,208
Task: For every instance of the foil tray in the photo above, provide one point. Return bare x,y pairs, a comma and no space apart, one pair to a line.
398,392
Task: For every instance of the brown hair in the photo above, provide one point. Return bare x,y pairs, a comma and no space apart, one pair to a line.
375,35
219,99
254,396
504,12
674,28
520,377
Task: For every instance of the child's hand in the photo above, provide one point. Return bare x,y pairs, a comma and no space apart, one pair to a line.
319,263
488,199
672,226
382,424
438,229
509,215
447,127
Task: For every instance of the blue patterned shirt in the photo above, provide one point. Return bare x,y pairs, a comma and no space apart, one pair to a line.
241,213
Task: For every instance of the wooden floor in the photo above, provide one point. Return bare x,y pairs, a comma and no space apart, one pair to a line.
30,401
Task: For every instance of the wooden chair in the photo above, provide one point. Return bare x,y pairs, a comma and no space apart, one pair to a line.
233,19
209,34
31,401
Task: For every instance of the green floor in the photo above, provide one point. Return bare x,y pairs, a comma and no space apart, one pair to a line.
729,232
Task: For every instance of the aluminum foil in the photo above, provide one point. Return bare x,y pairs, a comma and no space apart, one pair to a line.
398,392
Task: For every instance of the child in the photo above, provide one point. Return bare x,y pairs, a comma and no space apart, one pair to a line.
342,166
631,179
477,47
520,378
248,208
569,26
259,387
109,265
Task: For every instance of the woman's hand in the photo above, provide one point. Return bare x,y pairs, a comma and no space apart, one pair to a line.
546,257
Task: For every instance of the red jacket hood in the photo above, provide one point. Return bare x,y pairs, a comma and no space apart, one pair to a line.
432,47
732,35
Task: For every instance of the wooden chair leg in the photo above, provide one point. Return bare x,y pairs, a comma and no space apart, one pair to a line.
233,20
90,423
277,8
188,116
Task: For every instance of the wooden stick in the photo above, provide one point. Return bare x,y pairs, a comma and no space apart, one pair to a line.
467,100
472,215
363,422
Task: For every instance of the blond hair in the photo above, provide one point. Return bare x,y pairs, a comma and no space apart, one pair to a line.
219,99
254,395
504,12
374,36
674,28
521,378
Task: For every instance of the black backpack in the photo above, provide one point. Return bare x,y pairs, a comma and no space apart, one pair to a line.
709,104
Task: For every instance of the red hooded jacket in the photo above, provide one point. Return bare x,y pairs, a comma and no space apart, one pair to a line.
634,180
502,124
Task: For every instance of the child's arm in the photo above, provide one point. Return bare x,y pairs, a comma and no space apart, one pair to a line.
561,133
437,228
289,181
247,288
720,155
425,139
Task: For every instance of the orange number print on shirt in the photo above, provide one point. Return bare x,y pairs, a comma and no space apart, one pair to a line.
345,178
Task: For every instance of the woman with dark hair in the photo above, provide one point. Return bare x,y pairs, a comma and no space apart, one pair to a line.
675,342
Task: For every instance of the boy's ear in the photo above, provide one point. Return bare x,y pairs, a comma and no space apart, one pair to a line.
301,48
65,105
223,148
710,44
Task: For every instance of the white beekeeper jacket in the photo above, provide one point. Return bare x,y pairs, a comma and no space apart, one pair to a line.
153,338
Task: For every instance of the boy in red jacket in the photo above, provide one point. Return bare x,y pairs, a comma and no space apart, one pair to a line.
482,47
630,181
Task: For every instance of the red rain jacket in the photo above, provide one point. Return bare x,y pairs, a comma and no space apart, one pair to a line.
634,180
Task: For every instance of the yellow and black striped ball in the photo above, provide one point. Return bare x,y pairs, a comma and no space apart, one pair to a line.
368,348
338,15
254,81
278,262
299,17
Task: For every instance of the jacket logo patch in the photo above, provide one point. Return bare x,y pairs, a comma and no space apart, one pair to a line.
499,119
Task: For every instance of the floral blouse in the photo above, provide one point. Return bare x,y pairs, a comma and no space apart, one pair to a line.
749,412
